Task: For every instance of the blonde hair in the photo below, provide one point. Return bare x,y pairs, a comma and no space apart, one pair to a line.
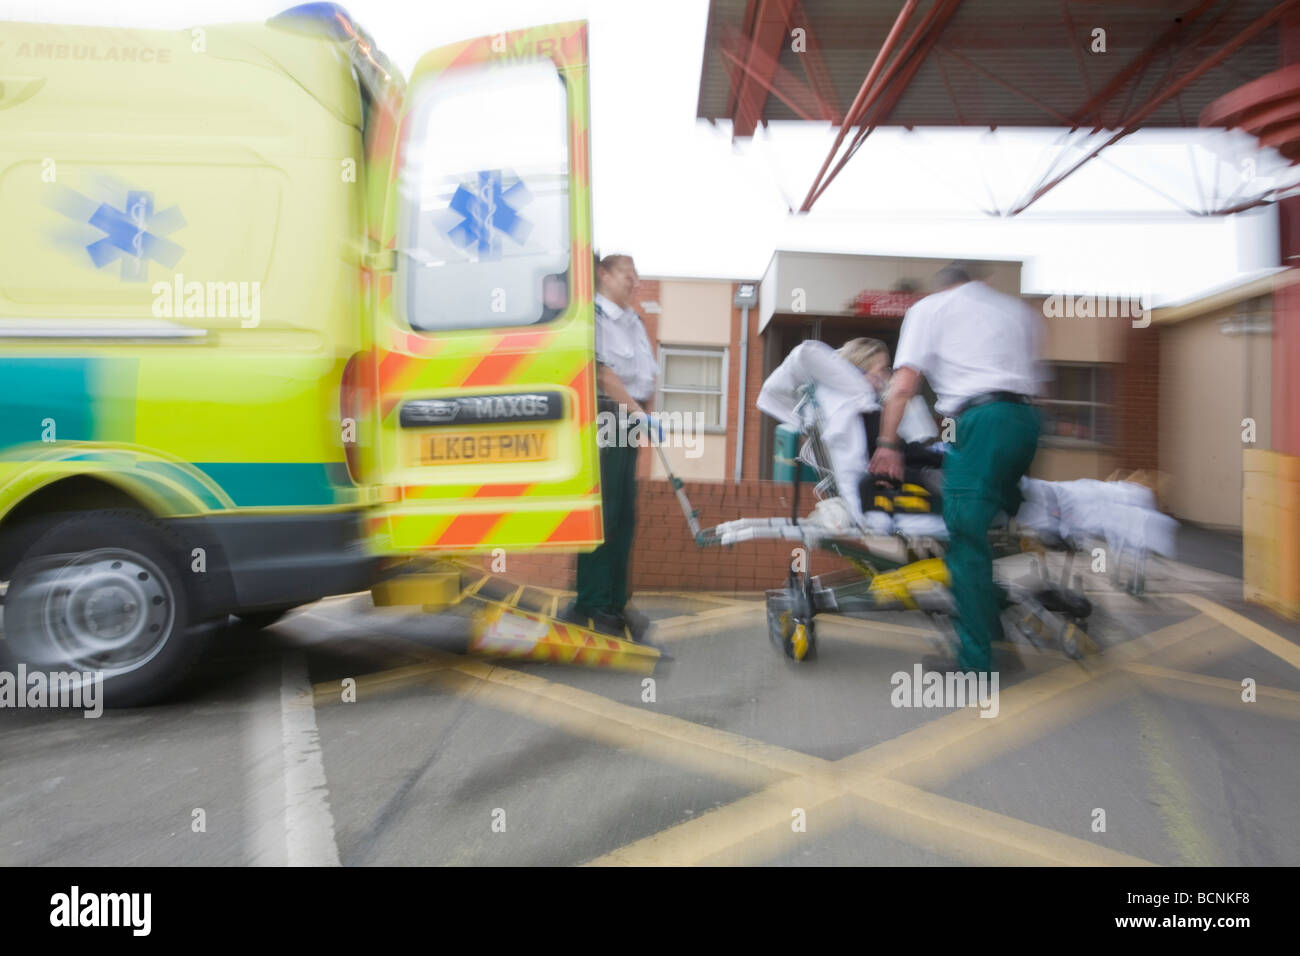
861,351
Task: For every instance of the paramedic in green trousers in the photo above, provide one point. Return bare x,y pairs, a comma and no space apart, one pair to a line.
626,370
980,351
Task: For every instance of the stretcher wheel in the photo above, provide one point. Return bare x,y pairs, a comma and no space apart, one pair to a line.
797,638
1028,628
793,632
1070,639
790,612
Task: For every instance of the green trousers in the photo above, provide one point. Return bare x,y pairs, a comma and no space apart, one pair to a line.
981,476
603,573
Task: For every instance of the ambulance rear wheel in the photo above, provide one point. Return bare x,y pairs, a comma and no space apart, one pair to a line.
104,593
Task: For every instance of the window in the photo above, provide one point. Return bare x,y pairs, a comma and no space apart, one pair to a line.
694,380
484,199
1077,404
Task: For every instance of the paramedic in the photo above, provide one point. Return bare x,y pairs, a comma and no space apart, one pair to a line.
979,350
626,370
916,428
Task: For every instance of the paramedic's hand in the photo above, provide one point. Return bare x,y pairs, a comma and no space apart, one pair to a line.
656,426
887,461
652,424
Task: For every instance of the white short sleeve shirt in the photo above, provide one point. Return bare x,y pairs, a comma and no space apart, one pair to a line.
972,339
622,344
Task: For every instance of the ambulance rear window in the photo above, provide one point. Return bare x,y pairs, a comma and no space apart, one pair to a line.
484,199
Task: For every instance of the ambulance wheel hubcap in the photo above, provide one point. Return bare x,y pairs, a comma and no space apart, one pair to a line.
110,609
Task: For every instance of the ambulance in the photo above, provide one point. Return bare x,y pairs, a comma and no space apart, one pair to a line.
272,317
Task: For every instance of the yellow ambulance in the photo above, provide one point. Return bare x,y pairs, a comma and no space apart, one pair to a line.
269,315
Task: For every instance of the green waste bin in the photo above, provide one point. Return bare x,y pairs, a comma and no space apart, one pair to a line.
784,458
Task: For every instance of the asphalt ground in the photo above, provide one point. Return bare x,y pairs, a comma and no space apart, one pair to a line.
1143,752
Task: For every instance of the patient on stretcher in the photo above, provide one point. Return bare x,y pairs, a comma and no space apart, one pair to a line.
849,386
922,453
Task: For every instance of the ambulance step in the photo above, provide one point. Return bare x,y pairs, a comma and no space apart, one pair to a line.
501,631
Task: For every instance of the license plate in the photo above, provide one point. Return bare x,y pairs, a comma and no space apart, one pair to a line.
460,448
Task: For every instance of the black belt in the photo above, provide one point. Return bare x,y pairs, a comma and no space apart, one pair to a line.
988,398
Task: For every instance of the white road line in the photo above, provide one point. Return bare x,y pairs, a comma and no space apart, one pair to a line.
264,763
308,823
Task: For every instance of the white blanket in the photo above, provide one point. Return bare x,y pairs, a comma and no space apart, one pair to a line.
1121,513
843,394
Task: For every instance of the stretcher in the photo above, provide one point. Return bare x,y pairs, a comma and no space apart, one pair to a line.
895,548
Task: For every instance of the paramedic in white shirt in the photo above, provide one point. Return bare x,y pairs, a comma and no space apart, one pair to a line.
980,351
626,374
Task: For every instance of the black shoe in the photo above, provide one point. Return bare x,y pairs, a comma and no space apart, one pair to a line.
572,614
590,619
637,624
601,621
639,629
607,623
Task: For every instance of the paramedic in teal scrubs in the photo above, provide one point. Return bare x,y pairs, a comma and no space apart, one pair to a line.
980,351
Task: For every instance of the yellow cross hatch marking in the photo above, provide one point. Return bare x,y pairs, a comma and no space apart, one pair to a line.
887,786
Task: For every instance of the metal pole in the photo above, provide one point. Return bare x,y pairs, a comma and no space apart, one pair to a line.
741,406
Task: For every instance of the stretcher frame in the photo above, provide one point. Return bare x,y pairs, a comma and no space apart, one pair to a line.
890,572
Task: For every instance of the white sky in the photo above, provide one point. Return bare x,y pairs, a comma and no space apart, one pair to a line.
685,201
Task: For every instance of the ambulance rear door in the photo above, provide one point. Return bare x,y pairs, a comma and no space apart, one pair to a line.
481,367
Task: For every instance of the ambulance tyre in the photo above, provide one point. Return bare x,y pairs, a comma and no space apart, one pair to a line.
105,591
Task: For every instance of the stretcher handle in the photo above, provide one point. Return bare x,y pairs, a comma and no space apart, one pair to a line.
692,514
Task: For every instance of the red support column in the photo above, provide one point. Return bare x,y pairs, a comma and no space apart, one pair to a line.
1286,337
1286,301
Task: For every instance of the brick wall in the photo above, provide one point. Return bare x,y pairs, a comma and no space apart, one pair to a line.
666,558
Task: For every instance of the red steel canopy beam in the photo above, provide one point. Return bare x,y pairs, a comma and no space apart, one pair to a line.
934,21
814,67
755,79
1139,64
1131,124
756,66
861,101
1027,97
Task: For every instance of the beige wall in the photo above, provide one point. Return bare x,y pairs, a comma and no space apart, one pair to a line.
697,312
711,465
694,312
1081,340
1055,463
1209,382
830,282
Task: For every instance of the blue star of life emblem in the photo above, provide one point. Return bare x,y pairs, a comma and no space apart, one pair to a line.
134,236
489,211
